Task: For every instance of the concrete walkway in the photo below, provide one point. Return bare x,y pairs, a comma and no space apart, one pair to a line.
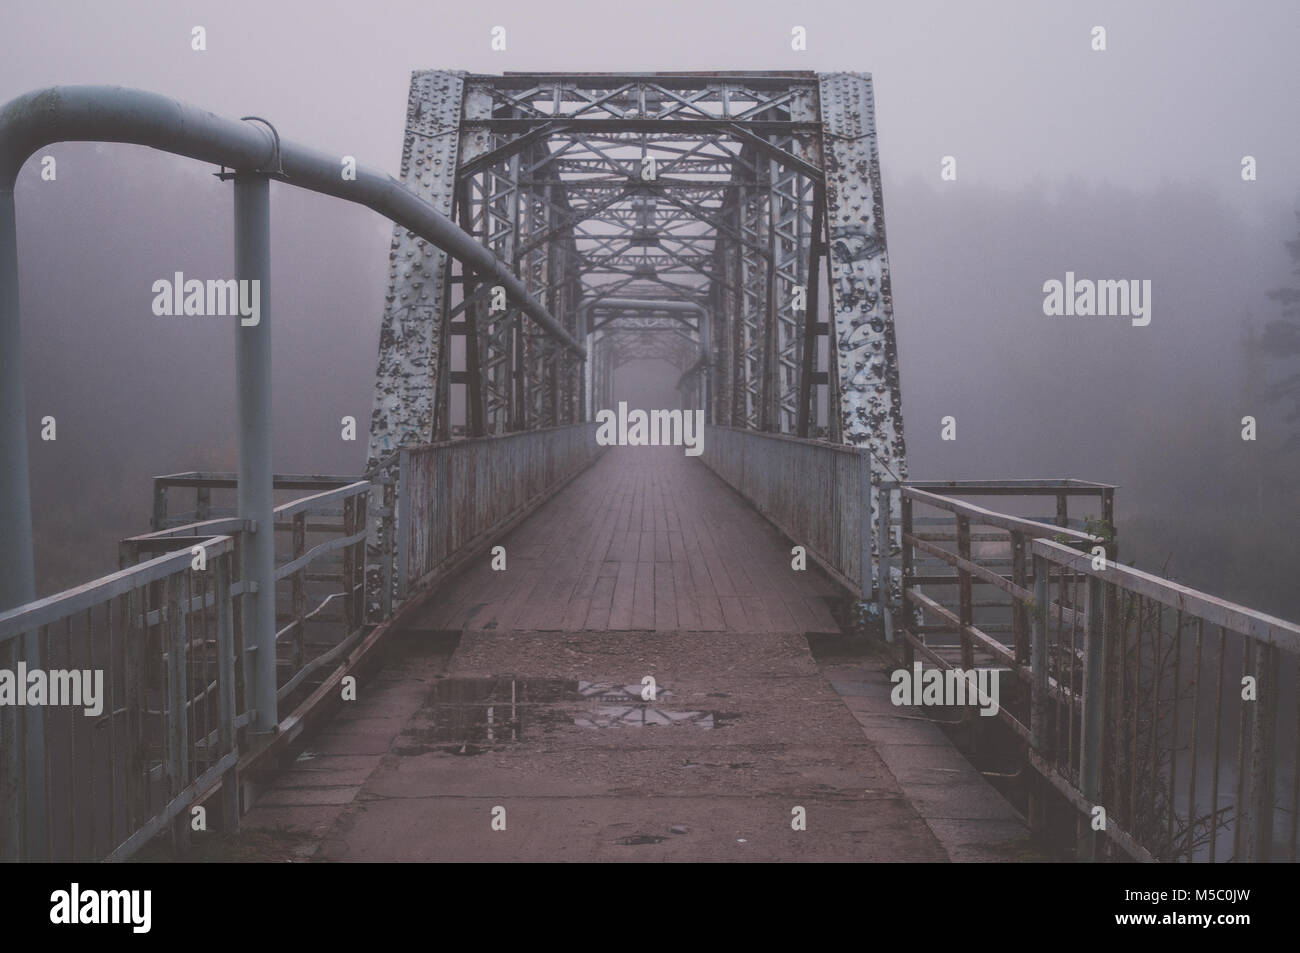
533,742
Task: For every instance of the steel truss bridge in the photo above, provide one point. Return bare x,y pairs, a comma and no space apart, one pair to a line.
550,228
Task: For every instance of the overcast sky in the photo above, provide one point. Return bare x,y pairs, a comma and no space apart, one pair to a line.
1013,89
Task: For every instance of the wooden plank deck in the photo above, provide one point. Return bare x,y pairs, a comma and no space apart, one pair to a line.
646,564
647,539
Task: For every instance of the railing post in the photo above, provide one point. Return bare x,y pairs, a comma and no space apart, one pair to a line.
226,695
159,519
1094,707
351,616
404,517
905,605
388,531
256,491
11,772
1108,516
176,734
1263,763
884,572
18,580
299,586
1019,611
1038,697
866,532
965,610
357,582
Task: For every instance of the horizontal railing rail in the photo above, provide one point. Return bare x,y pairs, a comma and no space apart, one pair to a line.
203,483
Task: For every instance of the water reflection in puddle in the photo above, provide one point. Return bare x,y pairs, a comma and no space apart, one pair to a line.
640,716
472,715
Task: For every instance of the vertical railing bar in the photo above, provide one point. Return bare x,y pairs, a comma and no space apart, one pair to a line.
1262,756
388,546
1064,698
1247,652
11,741
1073,692
1196,735
1019,612
298,589
116,603
211,710
1295,780
174,716
907,556
1135,710
1092,729
1218,739
90,666
1173,731
403,520
48,793
1038,700
1121,712
130,703
884,545
351,615
226,694
72,748
1157,676
964,595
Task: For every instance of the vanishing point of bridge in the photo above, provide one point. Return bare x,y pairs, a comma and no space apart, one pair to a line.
506,639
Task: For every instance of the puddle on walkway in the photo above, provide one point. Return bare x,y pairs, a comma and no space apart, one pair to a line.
469,716
636,839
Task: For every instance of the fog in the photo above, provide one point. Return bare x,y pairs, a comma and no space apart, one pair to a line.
1117,164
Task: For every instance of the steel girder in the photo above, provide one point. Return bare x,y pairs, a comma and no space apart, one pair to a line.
865,351
758,178
412,335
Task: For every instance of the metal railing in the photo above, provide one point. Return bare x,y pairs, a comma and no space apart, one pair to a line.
818,494
1115,717
167,636
319,557
1182,772
168,633
84,784
450,499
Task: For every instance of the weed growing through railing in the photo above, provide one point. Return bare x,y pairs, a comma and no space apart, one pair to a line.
1140,747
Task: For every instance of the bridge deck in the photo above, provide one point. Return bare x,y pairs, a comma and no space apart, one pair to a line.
646,564
646,539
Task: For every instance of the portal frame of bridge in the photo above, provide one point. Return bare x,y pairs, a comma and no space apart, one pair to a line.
762,181
765,187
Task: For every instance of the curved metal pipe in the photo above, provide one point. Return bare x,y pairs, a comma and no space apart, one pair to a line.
117,114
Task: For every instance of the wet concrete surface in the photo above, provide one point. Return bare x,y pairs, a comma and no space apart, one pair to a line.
390,780
510,725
